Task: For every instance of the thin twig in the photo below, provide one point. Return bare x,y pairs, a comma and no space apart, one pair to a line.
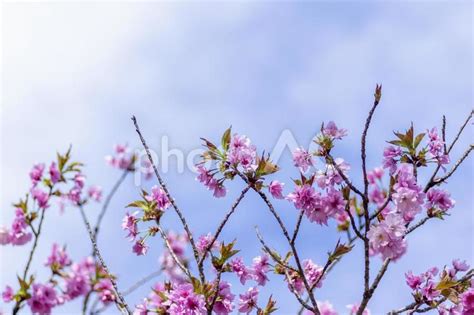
287,236
331,161
297,227
431,182
270,252
123,304
107,202
351,217
460,131
134,287
173,254
365,198
374,286
172,201
37,234
222,224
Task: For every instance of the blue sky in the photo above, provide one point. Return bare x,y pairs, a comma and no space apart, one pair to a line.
75,73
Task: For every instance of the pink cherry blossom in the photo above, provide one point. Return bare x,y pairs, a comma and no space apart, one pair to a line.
330,130
183,301
390,156
238,267
41,197
204,241
413,281
224,304
95,193
375,175
54,173
334,202
43,299
313,273
5,237
7,294
77,284
330,176
325,308
36,173
387,237
276,189
440,199
129,224
160,197
106,291
260,268
140,248
18,233
302,159
248,300
58,257
122,157
242,152
460,265
467,301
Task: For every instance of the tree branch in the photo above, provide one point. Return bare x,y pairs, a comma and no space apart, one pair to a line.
222,224
123,304
172,201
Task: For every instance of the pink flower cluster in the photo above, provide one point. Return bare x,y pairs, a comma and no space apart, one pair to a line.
156,202
408,196
426,289
302,159
43,298
206,177
257,272
242,153
122,158
58,258
387,237
316,206
313,274
181,299
18,234
436,147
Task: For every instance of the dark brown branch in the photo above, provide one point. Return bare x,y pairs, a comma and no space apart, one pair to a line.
374,286
122,304
172,201
365,197
297,227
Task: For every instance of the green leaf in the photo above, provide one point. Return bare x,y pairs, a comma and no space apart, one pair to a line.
225,141
138,204
446,284
418,139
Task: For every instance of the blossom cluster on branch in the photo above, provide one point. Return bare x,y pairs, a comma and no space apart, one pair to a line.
197,271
